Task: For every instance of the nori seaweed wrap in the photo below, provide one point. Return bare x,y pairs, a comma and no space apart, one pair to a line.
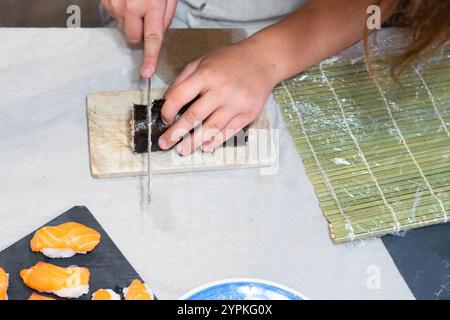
139,128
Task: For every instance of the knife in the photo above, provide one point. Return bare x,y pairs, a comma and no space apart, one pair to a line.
149,126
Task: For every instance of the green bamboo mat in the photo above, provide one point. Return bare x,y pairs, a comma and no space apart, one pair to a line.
377,154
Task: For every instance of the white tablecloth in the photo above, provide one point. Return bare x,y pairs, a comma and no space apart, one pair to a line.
202,226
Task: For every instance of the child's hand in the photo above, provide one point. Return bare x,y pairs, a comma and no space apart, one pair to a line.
144,19
234,86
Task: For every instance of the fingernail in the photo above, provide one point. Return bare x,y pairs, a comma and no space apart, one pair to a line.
147,71
162,143
181,151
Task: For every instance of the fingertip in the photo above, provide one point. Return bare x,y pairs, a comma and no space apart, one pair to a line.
206,147
147,71
163,143
165,117
182,151
166,123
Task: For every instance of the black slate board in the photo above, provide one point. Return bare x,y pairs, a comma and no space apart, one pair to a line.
423,258
108,266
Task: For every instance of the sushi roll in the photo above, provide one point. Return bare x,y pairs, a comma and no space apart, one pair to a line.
4,283
105,294
139,125
71,282
38,297
138,291
65,240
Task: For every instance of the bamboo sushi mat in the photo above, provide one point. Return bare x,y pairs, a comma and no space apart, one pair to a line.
377,154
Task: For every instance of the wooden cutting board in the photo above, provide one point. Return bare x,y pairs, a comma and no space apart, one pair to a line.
109,115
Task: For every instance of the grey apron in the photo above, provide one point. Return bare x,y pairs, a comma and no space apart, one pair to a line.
232,13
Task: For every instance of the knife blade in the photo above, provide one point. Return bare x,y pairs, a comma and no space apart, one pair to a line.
149,158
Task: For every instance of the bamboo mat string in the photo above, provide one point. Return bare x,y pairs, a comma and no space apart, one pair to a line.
403,141
327,180
433,102
361,154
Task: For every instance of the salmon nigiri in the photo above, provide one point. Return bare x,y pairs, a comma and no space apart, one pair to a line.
65,240
38,297
4,283
138,291
71,282
105,294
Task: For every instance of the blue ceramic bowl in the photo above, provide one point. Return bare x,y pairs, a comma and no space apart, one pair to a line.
242,289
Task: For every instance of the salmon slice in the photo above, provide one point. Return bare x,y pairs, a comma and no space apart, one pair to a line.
38,297
71,282
138,291
4,283
65,240
105,294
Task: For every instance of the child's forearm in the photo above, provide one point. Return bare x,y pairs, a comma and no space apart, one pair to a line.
312,33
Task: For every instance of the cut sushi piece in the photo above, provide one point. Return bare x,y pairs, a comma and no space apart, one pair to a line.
138,291
4,283
65,240
38,297
139,126
105,294
139,129
71,282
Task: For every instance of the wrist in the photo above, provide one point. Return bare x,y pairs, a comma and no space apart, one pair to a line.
255,51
